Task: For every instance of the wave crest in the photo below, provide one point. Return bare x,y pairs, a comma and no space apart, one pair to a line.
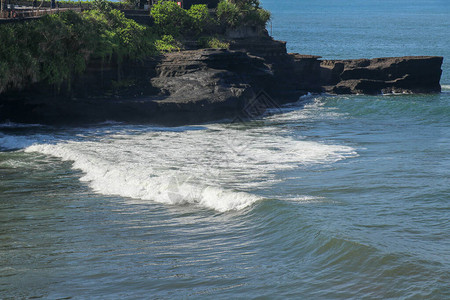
136,182
218,167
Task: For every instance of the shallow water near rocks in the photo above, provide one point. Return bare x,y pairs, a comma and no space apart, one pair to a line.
333,197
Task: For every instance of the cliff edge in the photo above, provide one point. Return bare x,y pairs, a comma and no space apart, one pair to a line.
207,84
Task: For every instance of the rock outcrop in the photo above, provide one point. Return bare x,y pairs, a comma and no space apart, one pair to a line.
412,74
295,73
182,87
209,79
207,84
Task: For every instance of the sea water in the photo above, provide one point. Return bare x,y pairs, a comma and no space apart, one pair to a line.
332,197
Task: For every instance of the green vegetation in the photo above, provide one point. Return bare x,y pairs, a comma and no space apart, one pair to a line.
212,42
167,43
170,19
199,19
118,36
57,47
242,12
228,14
174,23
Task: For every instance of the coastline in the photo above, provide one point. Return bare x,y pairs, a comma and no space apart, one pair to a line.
209,84
204,84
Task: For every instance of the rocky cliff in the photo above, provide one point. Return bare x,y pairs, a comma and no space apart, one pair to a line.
206,84
413,74
176,87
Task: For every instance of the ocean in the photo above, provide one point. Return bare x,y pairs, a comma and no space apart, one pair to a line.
331,197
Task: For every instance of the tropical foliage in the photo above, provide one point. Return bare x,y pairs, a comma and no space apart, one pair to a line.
199,19
212,42
171,19
167,43
233,13
56,47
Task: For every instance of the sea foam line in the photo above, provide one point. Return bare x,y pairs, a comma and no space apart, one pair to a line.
213,167
131,181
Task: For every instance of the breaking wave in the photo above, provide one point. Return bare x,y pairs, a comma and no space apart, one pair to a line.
219,167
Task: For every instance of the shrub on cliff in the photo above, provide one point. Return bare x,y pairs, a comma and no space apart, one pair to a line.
167,43
212,42
56,47
18,63
228,14
257,17
199,19
242,13
119,36
51,49
169,18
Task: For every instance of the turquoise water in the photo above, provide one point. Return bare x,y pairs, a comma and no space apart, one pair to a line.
333,197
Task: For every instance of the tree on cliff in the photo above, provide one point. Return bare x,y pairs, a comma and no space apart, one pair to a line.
235,13
245,3
56,47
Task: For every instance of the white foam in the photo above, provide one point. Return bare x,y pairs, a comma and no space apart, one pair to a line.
14,142
445,87
129,179
219,167
305,199
313,110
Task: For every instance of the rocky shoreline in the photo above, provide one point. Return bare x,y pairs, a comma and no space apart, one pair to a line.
206,84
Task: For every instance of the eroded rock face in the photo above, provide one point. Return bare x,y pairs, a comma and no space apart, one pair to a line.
183,87
209,79
209,84
412,74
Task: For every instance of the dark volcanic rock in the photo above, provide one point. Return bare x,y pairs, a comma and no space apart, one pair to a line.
413,74
178,87
207,84
209,79
285,85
